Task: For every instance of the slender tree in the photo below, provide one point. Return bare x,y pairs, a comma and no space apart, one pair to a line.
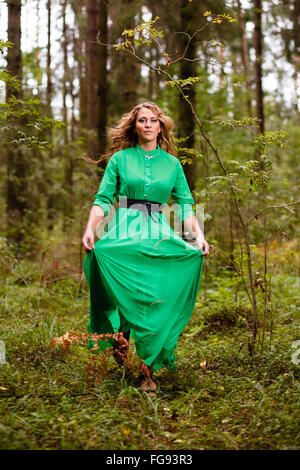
16,165
125,71
102,76
187,68
80,25
49,88
244,53
72,90
296,51
49,92
66,70
258,46
92,50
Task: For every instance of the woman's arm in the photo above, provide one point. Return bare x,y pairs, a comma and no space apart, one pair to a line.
182,196
192,225
88,239
103,203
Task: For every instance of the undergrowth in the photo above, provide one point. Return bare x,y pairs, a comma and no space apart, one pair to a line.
220,397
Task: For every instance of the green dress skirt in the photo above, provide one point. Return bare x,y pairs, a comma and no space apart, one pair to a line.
143,277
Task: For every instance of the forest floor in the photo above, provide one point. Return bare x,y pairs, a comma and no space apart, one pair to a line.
220,397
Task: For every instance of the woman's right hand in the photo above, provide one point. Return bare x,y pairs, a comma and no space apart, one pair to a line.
88,239
203,245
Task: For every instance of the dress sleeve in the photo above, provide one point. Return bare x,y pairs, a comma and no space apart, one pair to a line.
182,196
108,187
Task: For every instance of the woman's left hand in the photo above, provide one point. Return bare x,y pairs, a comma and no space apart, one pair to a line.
203,245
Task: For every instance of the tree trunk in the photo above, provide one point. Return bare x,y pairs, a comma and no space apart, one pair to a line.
102,77
125,68
78,7
66,72
92,7
221,62
49,88
258,64
16,165
150,76
258,46
130,67
244,51
296,37
72,93
67,152
187,68
80,59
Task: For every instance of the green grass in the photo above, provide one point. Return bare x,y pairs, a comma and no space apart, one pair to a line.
219,398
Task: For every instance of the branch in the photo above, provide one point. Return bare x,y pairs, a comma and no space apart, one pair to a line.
284,206
189,41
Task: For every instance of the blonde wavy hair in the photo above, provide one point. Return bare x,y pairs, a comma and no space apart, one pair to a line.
123,135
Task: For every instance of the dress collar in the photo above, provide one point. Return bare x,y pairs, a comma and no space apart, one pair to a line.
148,152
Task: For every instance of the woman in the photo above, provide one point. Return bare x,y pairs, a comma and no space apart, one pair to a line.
143,277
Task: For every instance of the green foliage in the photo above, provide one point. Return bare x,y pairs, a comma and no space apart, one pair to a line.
233,123
187,154
142,34
183,82
274,137
218,18
17,109
218,399
17,113
9,80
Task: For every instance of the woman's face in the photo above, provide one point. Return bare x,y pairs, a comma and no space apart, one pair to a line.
147,126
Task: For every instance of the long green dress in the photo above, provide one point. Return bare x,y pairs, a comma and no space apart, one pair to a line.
142,276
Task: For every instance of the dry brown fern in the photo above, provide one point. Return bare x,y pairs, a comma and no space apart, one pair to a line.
97,365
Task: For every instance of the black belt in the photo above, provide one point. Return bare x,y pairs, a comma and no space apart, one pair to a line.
145,206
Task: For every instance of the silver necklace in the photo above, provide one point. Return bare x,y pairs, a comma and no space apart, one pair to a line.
147,156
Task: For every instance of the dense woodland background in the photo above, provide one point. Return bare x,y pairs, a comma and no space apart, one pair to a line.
227,72
88,86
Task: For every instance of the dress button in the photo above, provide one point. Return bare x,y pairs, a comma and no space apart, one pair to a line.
148,174
147,184
147,165
144,195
